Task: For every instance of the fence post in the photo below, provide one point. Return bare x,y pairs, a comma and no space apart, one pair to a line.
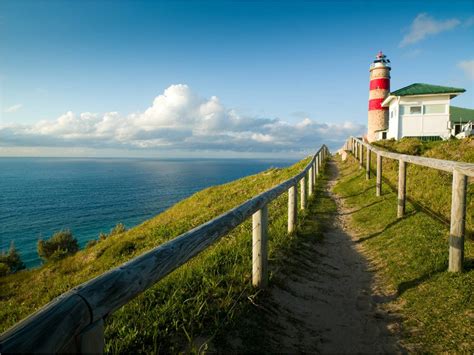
292,209
367,164
314,173
361,156
458,220
310,181
91,339
378,184
402,188
303,192
317,165
259,250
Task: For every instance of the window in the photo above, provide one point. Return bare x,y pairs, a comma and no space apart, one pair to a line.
415,110
410,110
384,135
435,108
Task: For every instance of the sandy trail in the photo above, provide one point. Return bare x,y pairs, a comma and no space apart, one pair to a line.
334,304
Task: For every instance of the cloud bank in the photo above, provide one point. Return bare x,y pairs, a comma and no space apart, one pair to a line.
13,108
468,67
178,119
424,25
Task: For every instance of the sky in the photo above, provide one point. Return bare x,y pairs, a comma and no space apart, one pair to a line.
213,78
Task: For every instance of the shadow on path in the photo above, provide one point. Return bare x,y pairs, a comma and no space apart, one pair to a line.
325,299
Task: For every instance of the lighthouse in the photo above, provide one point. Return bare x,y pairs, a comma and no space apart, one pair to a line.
379,90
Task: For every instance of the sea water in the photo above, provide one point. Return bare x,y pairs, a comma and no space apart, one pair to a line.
39,196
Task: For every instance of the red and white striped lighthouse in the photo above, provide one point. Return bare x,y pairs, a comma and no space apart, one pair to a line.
379,90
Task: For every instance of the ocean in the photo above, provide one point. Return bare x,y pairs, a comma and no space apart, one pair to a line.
39,196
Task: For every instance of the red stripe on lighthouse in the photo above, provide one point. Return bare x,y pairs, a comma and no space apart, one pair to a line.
375,104
381,83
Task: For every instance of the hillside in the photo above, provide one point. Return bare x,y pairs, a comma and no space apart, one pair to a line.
435,307
429,188
197,299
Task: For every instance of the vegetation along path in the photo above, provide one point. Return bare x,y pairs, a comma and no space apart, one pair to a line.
326,298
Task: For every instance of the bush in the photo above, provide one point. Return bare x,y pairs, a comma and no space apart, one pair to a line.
12,260
102,236
60,245
4,269
119,228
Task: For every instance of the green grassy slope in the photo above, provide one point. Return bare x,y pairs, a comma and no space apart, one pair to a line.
437,307
190,305
435,198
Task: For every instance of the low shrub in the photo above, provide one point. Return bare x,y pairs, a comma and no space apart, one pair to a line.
11,261
60,245
4,269
118,229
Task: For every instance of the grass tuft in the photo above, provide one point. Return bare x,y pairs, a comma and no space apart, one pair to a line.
190,309
412,252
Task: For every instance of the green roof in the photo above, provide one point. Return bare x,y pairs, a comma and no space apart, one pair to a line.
460,114
425,89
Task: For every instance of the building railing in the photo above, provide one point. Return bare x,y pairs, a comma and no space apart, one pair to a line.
74,321
460,173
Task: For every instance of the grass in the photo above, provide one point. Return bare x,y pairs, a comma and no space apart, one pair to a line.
437,307
437,198
255,328
192,306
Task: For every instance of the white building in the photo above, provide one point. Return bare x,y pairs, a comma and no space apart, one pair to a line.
422,110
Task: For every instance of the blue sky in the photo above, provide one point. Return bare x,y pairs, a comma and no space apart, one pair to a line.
235,77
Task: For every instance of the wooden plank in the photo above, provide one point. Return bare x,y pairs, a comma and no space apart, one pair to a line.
402,177
259,250
50,329
378,184
361,156
91,340
458,220
367,164
439,164
303,193
71,313
315,170
292,209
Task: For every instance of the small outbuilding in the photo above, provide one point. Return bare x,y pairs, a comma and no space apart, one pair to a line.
424,111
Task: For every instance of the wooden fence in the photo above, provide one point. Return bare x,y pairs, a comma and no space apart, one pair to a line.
74,321
460,173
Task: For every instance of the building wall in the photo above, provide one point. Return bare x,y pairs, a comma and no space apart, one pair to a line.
403,124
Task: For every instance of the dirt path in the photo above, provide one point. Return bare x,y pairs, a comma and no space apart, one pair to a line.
333,305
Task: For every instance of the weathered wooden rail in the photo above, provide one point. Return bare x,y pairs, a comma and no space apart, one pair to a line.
460,173
74,321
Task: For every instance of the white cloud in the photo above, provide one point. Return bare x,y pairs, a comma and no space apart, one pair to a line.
13,108
423,25
178,119
468,67
469,22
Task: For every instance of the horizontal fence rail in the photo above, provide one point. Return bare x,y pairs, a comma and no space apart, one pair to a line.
74,321
460,173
